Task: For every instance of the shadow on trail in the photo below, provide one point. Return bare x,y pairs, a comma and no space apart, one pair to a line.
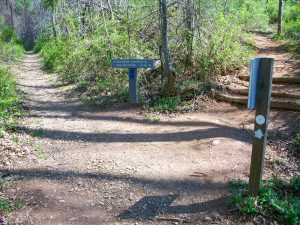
199,134
51,86
149,207
191,185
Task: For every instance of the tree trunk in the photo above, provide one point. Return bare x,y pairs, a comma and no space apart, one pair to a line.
280,15
189,32
10,7
53,23
169,77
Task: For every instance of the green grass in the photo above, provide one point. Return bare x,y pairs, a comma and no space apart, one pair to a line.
167,104
278,200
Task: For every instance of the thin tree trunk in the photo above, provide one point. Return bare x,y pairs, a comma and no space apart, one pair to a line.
169,72
9,5
190,32
280,15
11,14
53,23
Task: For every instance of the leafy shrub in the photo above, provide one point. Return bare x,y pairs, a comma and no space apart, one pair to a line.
9,110
82,53
272,10
277,199
41,42
167,103
53,53
219,48
10,50
8,35
10,44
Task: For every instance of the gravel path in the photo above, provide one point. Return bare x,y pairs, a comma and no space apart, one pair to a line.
116,166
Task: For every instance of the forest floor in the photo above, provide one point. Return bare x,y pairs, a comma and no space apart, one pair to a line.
120,165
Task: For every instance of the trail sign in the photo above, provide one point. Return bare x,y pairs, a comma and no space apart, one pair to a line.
260,90
132,65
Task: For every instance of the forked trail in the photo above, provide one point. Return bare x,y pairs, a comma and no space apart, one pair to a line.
116,166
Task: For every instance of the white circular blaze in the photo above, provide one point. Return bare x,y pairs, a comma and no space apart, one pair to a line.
260,119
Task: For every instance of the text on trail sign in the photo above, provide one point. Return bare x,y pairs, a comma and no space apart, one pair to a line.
132,63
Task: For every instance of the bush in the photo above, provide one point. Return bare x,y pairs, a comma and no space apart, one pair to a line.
167,103
219,49
10,50
82,53
291,26
277,200
53,53
42,40
9,109
10,44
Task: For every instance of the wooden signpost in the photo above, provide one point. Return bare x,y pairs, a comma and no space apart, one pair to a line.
259,98
132,65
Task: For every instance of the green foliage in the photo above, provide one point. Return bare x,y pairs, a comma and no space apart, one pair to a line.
50,3
8,35
10,47
272,10
24,5
291,25
53,53
10,50
291,22
83,50
219,49
9,109
41,42
167,103
277,199
297,142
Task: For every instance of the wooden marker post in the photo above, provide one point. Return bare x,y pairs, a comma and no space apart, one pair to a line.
262,89
132,65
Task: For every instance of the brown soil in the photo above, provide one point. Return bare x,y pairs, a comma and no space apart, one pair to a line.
286,74
122,166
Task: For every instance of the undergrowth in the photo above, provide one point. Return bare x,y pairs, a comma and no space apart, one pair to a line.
7,204
10,50
10,110
278,200
82,55
291,23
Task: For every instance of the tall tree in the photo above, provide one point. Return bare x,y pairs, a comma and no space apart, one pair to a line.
169,76
10,5
280,16
189,32
50,4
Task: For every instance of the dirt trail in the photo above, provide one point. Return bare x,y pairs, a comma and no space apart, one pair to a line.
114,166
285,64
286,77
